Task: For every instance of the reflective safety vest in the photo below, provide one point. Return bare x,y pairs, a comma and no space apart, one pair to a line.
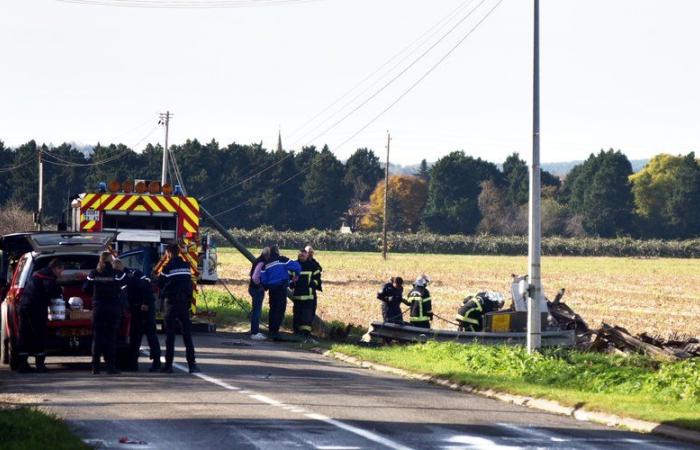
421,304
305,287
471,314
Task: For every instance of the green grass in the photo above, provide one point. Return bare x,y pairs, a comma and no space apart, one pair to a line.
633,386
30,429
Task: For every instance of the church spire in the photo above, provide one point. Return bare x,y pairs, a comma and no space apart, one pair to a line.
279,140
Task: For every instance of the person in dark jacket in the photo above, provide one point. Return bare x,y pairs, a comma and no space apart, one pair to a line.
316,267
257,294
470,315
304,296
33,314
391,297
105,285
275,278
420,302
143,317
175,282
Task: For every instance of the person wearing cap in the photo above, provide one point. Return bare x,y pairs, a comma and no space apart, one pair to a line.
420,303
470,315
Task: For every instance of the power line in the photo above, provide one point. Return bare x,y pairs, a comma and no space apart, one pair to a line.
374,95
397,100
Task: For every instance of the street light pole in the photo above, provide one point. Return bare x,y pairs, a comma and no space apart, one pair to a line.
534,327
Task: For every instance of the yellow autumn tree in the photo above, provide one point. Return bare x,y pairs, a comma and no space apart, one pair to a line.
407,197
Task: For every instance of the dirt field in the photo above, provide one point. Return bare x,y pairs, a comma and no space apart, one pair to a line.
653,295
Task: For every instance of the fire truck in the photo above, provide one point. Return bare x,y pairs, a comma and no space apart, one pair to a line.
145,217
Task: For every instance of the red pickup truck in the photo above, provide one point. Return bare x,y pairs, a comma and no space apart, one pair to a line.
25,253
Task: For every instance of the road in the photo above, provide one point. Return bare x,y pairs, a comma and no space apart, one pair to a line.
262,395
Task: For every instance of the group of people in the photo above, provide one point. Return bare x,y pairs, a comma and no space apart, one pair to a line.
113,288
470,315
282,278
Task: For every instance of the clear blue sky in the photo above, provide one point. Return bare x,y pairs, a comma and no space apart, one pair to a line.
615,73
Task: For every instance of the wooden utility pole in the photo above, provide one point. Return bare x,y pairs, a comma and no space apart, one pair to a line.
165,120
386,194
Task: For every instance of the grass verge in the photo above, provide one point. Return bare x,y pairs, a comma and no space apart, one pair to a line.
31,429
633,386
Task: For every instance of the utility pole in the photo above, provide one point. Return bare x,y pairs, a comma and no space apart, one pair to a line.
165,120
534,326
40,206
386,194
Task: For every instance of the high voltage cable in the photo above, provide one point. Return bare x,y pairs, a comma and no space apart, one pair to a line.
188,4
428,33
397,100
374,95
67,163
17,166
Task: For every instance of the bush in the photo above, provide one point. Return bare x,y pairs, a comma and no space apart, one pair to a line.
466,245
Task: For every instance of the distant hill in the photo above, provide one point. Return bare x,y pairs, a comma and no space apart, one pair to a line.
561,169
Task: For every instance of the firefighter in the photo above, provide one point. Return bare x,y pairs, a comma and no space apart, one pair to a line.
420,303
33,315
105,285
391,297
143,317
175,282
317,270
304,296
257,294
470,315
275,278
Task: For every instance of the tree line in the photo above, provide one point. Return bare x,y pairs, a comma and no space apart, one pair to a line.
246,186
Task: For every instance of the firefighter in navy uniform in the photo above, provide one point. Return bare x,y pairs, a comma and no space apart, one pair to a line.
421,304
470,315
175,282
143,317
105,285
33,314
391,297
304,296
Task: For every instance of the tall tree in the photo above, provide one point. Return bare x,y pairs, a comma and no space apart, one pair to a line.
517,177
455,185
682,208
325,199
362,172
407,196
424,170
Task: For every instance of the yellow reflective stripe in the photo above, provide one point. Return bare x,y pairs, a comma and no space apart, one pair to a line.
420,319
140,208
151,203
165,204
90,225
316,272
127,204
188,227
305,327
114,202
87,199
427,299
302,297
183,206
474,321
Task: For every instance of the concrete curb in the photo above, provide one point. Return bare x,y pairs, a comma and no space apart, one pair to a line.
549,406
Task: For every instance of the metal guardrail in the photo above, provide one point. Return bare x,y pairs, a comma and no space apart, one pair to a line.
407,333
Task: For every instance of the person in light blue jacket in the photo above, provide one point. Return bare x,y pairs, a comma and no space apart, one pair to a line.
275,279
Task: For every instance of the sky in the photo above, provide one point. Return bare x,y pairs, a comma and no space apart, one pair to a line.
621,74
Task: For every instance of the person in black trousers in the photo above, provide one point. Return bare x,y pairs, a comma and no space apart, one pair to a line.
33,314
105,285
175,282
391,297
143,317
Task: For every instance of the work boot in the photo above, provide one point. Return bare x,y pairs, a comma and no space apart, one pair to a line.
155,366
24,366
194,368
167,368
40,366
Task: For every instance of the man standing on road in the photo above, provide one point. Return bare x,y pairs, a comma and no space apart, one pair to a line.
143,317
175,282
275,278
420,303
33,314
257,294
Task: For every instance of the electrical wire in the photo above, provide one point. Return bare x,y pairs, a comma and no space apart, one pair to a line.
16,166
384,111
374,95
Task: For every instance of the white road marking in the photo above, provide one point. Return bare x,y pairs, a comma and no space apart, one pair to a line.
477,443
370,436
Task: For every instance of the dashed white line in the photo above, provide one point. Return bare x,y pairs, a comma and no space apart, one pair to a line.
370,436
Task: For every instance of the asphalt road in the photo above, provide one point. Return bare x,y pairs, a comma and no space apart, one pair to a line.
261,395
